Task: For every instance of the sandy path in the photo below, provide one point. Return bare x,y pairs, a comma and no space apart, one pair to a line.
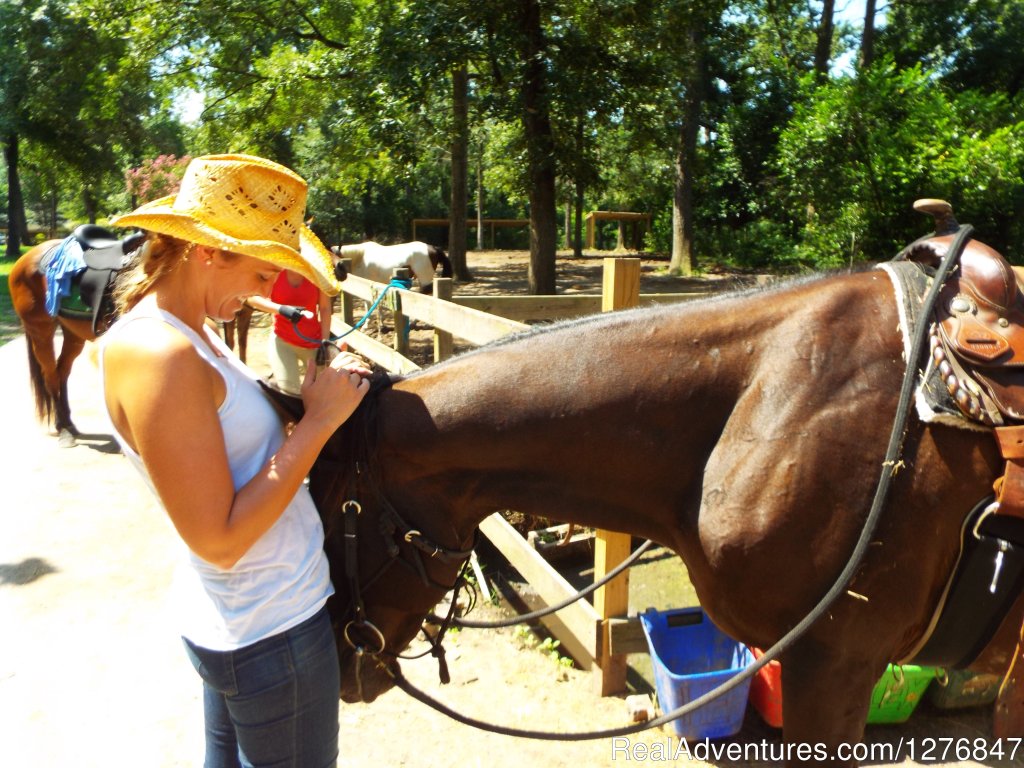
93,674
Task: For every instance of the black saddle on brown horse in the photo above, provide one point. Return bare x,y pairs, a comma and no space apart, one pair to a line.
104,255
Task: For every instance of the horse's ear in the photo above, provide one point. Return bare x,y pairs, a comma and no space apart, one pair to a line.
288,406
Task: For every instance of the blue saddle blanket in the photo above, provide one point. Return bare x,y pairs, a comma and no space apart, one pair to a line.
64,263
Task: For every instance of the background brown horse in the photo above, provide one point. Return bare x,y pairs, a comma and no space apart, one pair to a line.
103,257
48,371
747,433
240,327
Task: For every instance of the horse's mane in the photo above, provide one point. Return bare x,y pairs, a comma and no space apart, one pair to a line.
595,321
347,465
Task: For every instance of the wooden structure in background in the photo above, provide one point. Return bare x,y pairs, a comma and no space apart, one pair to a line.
639,225
489,224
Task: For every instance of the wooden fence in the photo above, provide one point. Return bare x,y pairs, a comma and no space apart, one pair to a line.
583,629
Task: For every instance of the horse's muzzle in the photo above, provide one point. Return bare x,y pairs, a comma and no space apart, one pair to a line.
364,677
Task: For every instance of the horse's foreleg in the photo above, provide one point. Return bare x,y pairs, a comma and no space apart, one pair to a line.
825,702
229,333
70,348
242,321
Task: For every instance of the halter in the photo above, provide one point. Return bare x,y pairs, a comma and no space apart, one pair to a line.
390,524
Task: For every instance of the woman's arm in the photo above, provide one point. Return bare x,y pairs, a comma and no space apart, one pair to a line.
163,398
272,307
263,304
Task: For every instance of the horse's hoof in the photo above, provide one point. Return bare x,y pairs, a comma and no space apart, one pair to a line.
66,439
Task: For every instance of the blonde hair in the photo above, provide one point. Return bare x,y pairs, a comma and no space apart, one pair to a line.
158,256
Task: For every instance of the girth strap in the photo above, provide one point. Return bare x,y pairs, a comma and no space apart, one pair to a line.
1010,487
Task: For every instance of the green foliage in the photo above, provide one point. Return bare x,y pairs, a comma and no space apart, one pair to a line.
860,150
789,173
549,647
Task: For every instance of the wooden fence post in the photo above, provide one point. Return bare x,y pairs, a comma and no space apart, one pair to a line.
443,344
347,300
400,321
620,290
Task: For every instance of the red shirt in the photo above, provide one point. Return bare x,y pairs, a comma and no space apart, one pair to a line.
305,295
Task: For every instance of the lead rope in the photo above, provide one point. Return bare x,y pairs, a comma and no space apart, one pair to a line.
321,359
395,282
525,618
890,466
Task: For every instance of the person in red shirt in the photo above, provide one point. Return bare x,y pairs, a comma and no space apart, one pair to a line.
293,345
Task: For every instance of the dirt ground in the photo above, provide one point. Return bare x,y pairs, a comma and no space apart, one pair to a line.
92,674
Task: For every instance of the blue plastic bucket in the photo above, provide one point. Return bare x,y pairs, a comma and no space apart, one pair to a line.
690,657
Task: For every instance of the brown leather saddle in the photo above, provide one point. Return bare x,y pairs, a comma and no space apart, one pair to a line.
978,342
977,345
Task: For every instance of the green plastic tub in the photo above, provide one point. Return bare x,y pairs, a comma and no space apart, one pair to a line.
894,698
898,692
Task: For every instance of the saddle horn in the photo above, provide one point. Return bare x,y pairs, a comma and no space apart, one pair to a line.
941,211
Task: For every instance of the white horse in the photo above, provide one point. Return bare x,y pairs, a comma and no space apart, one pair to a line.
376,262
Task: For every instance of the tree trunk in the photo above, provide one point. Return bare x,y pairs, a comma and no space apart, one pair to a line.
52,213
90,205
540,152
17,224
867,41
567,240
684,260
577,240
480,198
369,230
460,173
823,51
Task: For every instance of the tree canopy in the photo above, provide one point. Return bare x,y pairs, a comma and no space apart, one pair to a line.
761,134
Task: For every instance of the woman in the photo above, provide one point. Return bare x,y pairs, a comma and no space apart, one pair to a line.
293,345
193,420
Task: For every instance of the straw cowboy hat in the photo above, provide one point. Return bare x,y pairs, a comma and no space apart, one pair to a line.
242,204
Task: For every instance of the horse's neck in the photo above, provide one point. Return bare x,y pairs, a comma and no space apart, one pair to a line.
615,418
548,425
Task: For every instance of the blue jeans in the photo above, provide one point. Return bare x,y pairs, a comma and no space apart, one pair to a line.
272,703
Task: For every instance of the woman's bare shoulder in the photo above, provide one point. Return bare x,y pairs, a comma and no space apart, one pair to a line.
149,345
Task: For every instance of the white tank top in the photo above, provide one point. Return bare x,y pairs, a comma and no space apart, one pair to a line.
284,578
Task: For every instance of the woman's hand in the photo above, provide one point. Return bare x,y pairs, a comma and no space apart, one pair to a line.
331,394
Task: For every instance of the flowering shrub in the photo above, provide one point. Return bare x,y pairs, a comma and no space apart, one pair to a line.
156,178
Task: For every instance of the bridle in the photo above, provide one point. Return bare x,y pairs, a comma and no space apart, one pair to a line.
354,622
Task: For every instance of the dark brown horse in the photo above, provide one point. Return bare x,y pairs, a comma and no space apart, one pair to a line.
747,433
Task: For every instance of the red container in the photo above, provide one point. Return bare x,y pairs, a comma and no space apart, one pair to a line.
766,691
893,699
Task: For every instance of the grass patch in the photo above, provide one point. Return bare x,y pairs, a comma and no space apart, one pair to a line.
10,325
